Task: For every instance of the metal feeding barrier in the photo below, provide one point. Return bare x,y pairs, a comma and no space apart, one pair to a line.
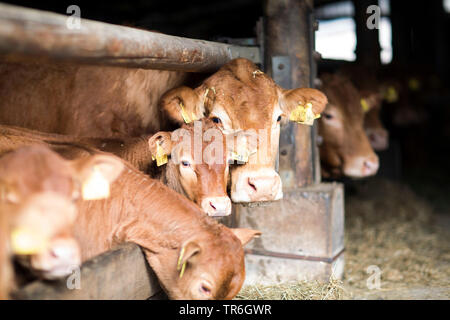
27,32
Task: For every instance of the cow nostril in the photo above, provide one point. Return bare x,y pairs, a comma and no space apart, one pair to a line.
251,184
54,253
212,205
370,165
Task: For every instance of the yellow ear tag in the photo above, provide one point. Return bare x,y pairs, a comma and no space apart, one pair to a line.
182,270
161,156
257,72
183,267
304,114
364,106
242,157
413,84
184,114
25,241
239,157
391,95
96,186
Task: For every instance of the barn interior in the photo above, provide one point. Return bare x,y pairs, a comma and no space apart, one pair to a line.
398,221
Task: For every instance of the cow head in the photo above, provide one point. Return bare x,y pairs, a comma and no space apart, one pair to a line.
345,148
207,266
197,165
239,97
371,102
38,193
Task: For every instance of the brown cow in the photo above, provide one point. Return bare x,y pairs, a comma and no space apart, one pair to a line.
83,100
375,130
38,190
345,148
240,97
372,92
193,256
204,182
103,102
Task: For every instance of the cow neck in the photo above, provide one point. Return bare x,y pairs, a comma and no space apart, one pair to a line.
170,176
156,217
137,152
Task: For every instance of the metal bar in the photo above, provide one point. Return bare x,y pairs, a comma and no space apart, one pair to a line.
283,255
121,273
27,32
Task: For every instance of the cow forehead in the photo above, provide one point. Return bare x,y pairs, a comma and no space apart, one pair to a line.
248,99
344,97
206,169
30,171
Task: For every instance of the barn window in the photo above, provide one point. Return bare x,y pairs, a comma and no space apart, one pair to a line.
385,32
336,37
446,5
385,38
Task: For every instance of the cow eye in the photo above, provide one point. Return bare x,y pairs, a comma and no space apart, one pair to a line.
75,195
279,118
328,116
185,163
205,289
216,120
10,197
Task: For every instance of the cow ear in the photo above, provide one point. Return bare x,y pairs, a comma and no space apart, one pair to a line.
302,105
370,100
246,235
96,173
160,145
188,252
183,105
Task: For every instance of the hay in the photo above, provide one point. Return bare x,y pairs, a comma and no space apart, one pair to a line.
303,290
387,226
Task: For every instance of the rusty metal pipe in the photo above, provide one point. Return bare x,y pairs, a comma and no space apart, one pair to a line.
27,32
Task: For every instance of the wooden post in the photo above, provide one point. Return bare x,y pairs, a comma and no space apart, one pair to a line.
310,217
288,58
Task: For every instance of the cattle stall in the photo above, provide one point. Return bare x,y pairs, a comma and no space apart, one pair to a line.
364,208
312,246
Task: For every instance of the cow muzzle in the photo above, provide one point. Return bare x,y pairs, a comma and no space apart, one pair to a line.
60,259
254,186
378,138
216,206
360,167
